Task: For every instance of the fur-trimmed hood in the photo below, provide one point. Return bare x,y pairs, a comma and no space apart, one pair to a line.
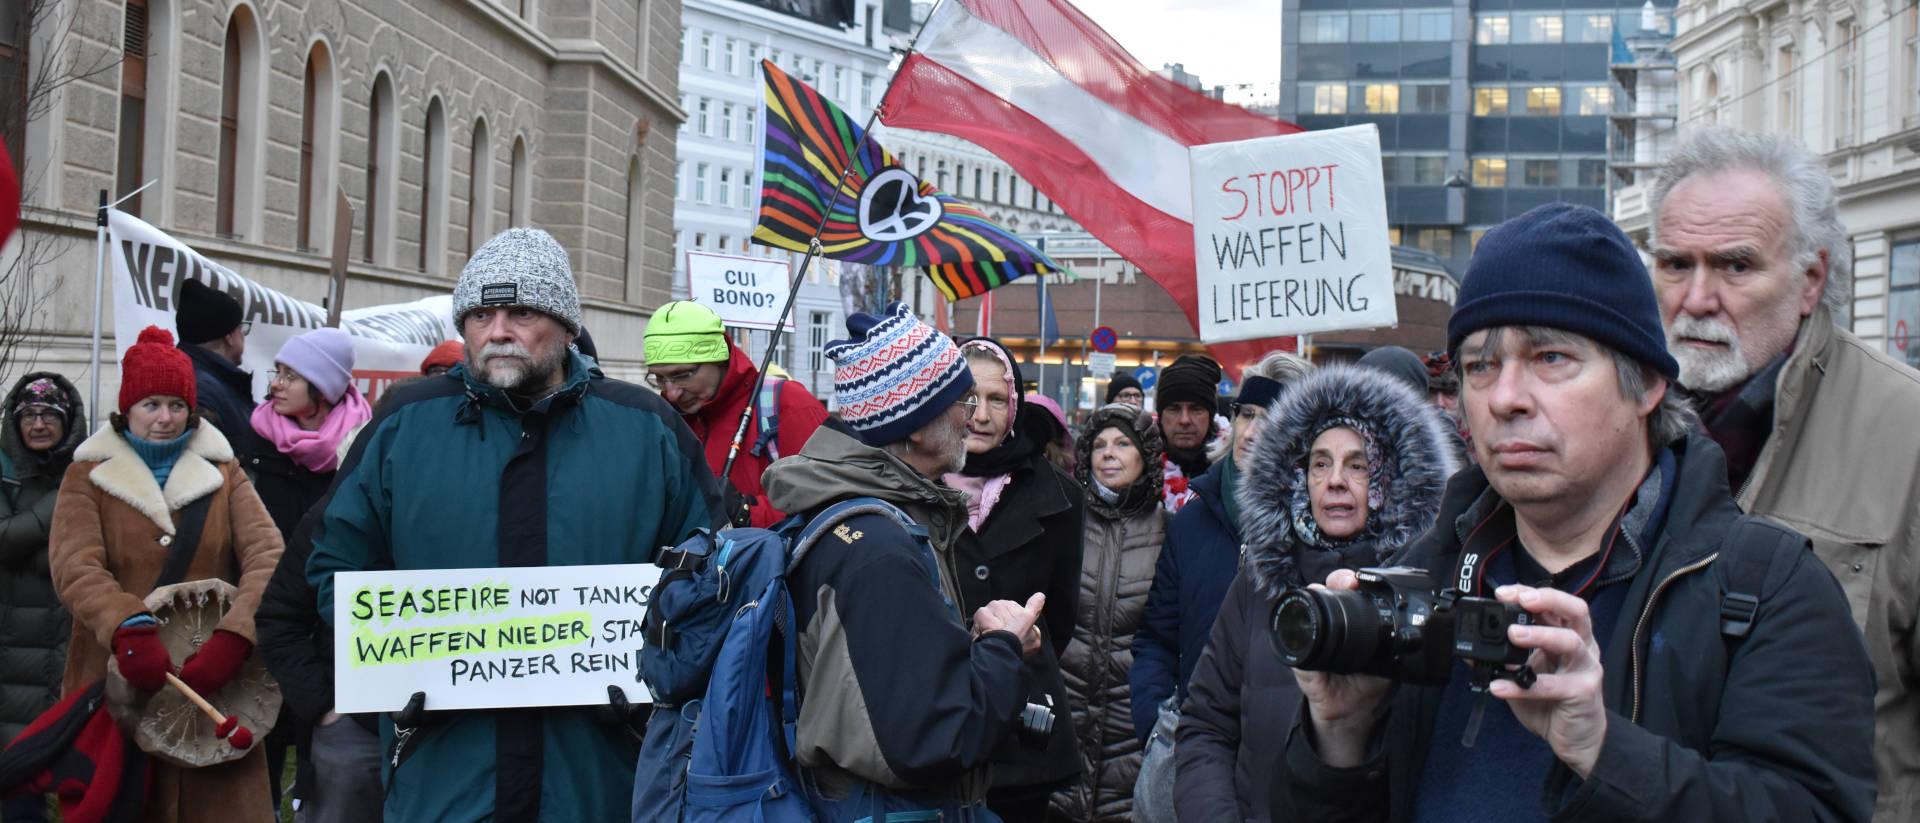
1410,432
124,475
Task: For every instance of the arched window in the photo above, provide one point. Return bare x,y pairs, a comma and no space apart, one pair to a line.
636,228
433,189
318,125
479,188
521,202
382,148
242,90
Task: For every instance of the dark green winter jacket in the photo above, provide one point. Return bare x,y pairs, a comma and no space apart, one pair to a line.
450,475
33,625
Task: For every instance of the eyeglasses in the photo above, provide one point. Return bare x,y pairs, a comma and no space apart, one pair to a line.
285,376
31,417
658,380
246,328
973,402
1249,411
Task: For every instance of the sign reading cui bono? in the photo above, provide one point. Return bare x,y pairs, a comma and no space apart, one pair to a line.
489,638
1290,235
747,292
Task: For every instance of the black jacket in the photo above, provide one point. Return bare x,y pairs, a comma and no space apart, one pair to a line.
1242,698
224,396
1190,581
1031,542
1778,726
34,627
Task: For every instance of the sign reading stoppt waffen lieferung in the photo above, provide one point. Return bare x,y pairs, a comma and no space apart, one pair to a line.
489,638
1290,235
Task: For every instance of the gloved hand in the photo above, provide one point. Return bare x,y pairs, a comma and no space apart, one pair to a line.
144,661
216,663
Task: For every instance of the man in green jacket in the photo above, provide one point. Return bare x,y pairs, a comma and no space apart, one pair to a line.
523,455
1751,263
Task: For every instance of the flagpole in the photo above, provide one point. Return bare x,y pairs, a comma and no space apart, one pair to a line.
813,250
99,280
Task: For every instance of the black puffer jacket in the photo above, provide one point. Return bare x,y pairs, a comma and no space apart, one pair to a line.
1122,543
1242,698
34,627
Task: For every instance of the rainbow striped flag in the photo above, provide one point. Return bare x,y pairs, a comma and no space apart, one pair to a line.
885,215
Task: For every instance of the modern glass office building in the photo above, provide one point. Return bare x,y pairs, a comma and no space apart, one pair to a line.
1486,108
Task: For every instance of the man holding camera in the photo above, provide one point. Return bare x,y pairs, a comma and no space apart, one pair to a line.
1691,664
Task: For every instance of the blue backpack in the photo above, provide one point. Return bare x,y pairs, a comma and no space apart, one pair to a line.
719,660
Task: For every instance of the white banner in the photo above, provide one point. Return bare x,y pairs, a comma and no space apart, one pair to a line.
489,638
149,265
747,292
1290,235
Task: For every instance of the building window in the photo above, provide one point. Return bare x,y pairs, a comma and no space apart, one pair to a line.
1439,241
819,331
520,195
726,187
686,45
433,189
746,189
1428,170
1390,169
976,183
866,91
700,240
840,90
680,180
1540,173
1490,29
1844,91
1425,98
703,123
996,183
1538,27
1592,171
1427,25
730,59
1903,303
1325,98
1323,27
706,50
1490,172
700,183
1594,100
381,148
1376,26
1543,101
752,119
239,125
726,243
726,121
318,108
1490,101
1787,82
133,92
1589,27
1376,98
479,187
1393,235
1910,64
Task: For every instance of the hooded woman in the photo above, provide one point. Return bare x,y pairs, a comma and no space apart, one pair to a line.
44,422
1119,460
1349,466
1023,536
119,509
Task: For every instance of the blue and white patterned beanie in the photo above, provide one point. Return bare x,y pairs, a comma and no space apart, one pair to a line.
519,267
895,375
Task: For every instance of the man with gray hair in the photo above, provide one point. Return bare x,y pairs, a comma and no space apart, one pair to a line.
1751,266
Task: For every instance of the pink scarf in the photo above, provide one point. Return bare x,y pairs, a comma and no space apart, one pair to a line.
316,451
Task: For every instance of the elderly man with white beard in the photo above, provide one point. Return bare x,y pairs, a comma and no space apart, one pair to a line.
1751,264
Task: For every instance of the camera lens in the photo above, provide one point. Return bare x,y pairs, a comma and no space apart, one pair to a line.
1342,632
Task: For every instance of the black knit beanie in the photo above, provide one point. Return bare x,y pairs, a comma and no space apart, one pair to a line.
203,313
1120,383
1193,378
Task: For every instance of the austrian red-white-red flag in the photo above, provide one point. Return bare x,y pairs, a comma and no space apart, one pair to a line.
1046,90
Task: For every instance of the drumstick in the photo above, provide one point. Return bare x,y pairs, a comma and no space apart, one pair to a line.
224,727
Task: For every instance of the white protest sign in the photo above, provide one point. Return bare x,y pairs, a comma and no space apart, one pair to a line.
1100,363
1290,235
489,638
148,266
747,292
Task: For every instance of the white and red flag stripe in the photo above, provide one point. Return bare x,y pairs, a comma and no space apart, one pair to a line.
1046,90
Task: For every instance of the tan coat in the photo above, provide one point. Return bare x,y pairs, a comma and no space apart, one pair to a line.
1842,466
106,551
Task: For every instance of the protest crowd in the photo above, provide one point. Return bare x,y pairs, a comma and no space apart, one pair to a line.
1642,544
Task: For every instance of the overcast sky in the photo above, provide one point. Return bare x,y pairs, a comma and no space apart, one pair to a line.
1221,41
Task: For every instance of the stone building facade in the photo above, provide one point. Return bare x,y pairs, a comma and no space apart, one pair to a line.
442,121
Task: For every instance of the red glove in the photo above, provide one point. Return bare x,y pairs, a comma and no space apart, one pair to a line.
144,661
216,663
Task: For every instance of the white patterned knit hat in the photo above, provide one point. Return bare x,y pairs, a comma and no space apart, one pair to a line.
519,267
896,375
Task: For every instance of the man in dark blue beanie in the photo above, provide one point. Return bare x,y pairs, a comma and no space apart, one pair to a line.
1692,663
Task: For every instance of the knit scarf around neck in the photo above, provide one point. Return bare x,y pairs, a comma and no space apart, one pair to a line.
159,455
315,451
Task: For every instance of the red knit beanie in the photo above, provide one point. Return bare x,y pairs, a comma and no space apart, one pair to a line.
153,365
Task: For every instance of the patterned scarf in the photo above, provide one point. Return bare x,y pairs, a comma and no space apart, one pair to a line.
1379,468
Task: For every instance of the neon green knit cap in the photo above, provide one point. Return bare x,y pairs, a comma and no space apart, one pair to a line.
685,332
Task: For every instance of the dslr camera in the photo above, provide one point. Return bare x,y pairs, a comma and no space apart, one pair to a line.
1396,626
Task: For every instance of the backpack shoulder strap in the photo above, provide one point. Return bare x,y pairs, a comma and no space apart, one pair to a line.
186,541
1746,561
838,513
768,443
